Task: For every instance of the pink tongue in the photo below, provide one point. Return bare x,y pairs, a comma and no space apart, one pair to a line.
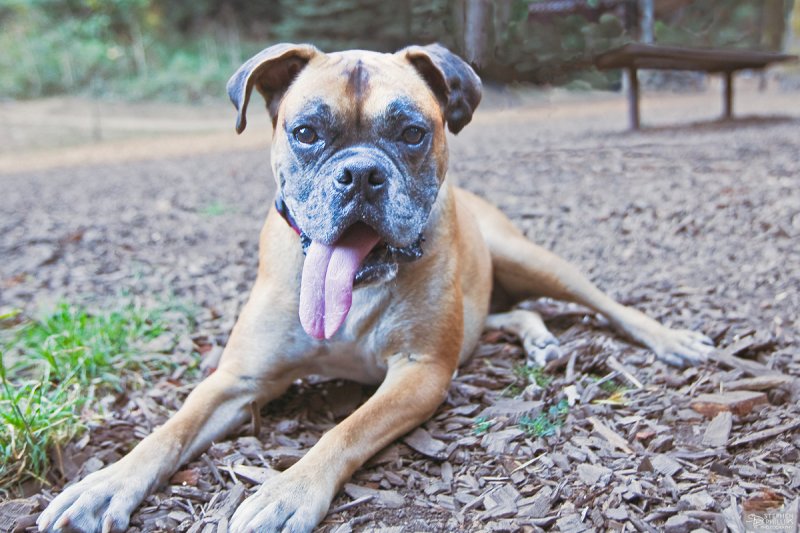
326,290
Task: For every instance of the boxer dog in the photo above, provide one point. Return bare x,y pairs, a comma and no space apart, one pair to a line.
372,267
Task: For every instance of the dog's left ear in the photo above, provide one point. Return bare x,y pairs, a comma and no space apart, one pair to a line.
271,71
452,80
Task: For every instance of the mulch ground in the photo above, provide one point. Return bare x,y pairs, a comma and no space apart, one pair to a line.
697,225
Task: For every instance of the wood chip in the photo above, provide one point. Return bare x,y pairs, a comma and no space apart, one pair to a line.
351,504
14,514
571,392
284,457
664,464
213,468
255,419
719,430
538,505
191,493
500,503
681,523
614,364
759,383
610,435
231,502
497,442
254,474
733,516
701,501
728,358
764,500
511,408
737,402
422,441
594,474
386,498
190,476
766,434
620,514
571,523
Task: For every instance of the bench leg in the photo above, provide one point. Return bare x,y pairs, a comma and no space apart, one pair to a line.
728,95
633,98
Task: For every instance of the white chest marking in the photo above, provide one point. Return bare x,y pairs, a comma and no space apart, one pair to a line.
356,351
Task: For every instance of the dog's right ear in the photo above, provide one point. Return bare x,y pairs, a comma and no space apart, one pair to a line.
271,71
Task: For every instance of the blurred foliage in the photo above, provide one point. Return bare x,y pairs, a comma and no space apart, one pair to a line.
129,48
368,24
721,24
558,50
187,49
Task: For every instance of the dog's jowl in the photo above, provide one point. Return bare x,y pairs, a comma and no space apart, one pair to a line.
372,267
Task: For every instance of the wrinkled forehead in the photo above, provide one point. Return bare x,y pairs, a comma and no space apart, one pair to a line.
361,83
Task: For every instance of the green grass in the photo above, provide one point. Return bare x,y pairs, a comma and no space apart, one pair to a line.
532,374
525,375
217,208
482,425
54,368
547,422
543,424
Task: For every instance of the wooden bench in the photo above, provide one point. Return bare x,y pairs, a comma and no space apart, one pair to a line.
636,56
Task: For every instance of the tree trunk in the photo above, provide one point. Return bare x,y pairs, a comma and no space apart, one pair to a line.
773,24
793,31
647,9
477,31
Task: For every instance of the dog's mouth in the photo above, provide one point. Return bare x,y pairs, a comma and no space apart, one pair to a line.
331,272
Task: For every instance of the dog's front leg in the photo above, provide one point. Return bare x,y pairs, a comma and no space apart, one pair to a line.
299,498
250,371
104,500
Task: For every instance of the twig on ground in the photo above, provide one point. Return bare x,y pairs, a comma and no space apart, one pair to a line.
255,419
727,358
527,463
214,470
350,505
570,374
767,433
610,435
614,364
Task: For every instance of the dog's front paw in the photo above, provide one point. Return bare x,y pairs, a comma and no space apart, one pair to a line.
284,503
681,347
103,501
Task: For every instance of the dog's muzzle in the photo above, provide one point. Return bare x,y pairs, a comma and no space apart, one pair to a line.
381,263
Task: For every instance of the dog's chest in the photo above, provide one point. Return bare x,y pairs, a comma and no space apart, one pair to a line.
357,351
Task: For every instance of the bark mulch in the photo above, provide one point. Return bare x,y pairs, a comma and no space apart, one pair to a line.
698,226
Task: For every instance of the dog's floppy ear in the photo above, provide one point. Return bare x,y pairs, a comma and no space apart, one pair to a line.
452,80
271,71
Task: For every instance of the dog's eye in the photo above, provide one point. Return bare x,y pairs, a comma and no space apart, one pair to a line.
413,135
305,134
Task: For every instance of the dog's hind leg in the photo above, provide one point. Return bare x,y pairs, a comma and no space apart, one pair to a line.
524,270
540,345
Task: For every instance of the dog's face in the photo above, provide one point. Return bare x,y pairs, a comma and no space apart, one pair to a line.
359,136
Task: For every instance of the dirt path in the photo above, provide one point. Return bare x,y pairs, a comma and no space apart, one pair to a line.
698,225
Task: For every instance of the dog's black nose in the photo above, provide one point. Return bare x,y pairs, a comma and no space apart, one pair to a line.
364,176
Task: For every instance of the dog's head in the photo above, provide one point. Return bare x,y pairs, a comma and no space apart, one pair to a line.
359,150
359,136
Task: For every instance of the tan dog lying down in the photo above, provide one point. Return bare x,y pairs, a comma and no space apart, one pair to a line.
372,267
